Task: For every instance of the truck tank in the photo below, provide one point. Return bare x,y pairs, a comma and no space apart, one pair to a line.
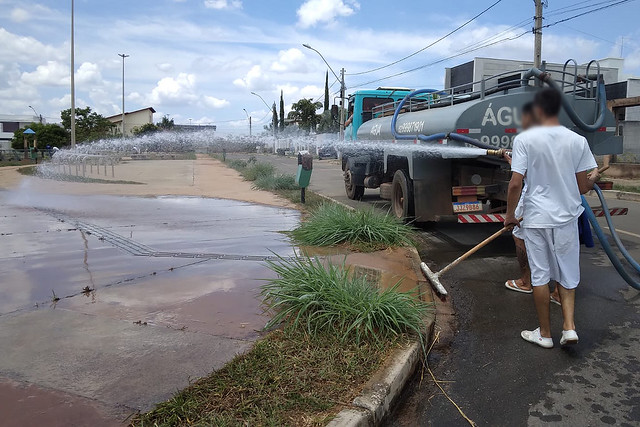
491,118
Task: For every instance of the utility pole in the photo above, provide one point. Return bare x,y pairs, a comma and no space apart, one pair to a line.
342,93
73,85
123,56
537,50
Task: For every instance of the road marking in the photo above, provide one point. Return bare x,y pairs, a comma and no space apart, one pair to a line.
628,233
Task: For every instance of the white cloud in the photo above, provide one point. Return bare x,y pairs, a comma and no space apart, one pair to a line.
177,90
291,60
53,73
223,4
255,79
212,102
25,49
89,73
165,67
19,14
313,12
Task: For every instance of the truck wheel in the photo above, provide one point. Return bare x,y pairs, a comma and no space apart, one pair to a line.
402,195
354,192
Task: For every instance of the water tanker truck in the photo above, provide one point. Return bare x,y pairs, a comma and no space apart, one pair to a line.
436,154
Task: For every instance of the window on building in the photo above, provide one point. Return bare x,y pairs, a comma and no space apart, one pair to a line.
10,126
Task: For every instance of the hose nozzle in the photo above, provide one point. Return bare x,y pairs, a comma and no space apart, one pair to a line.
497,153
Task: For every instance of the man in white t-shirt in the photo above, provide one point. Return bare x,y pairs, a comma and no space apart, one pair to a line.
555,161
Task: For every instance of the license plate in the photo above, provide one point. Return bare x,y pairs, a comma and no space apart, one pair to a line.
467,207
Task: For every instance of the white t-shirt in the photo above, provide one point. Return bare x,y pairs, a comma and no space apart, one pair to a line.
550,156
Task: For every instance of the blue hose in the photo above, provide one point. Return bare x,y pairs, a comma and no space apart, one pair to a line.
605,242
436,136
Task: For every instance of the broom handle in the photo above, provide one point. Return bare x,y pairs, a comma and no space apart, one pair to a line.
473,250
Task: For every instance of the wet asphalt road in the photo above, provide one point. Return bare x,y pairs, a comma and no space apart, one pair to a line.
495,377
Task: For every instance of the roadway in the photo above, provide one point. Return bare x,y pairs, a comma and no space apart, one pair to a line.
495,377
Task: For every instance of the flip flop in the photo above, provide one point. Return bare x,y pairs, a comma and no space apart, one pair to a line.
555,301
511,285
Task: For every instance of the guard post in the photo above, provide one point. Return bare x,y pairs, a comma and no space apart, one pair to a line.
305,166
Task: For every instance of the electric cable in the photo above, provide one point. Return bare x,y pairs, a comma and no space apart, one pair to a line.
429,45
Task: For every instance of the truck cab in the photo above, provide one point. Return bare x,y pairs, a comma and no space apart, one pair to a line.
366,104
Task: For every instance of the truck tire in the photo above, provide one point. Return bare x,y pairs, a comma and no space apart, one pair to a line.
402,195
354,192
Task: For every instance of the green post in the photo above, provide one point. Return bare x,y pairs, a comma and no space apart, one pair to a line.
303,177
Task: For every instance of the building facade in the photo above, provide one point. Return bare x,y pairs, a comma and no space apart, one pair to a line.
11,123
132,120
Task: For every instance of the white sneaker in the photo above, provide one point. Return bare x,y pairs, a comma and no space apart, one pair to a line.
569,337
535,337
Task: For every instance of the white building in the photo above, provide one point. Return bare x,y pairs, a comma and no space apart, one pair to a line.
462,76
11,123
132,120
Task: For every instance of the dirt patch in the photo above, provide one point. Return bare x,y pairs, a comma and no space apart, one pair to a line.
205,177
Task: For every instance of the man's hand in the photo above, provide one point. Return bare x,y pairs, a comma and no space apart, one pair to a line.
594,175
507,157
510,222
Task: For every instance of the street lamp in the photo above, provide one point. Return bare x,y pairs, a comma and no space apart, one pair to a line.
36,113
269,109
73,84
248,117
190,122
123,56
342,88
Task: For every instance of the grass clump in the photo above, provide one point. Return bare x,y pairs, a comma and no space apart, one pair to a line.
365,229
289,378
276,182
330,300
254,171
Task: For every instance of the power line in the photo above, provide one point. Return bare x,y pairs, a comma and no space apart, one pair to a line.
587,13
429,45
442,60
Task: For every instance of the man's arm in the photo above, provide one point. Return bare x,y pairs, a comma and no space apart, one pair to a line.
513,195
586,180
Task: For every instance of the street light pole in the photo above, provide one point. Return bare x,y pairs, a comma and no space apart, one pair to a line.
73,83
36,113
123,56
249,117
343,88
269,109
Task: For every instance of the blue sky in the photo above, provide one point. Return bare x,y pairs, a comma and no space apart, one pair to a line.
201,59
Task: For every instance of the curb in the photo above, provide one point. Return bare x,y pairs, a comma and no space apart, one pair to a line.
618,195
386,385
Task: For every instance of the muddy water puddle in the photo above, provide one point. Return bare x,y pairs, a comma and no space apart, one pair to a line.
45,255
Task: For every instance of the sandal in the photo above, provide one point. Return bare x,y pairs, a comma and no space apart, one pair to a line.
554,300
512,285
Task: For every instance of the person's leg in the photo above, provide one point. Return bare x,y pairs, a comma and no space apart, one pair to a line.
541,300
555,294
523,262
568,297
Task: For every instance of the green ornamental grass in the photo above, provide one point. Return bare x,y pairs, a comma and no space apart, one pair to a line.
276,182
254,171
367,229
328,299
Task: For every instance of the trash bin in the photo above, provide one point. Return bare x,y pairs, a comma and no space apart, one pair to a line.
303,177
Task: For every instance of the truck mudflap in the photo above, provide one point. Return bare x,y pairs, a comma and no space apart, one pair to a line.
481,218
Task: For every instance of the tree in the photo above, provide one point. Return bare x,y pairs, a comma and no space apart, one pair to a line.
166,123
146,129
46,134
274,122
326,92
281,111
90,126
304,113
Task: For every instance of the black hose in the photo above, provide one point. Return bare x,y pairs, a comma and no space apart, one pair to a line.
566,102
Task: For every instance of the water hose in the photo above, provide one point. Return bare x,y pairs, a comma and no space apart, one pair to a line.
435,136
615,260
566,102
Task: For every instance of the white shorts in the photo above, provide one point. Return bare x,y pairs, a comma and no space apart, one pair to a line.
518,232
554,254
